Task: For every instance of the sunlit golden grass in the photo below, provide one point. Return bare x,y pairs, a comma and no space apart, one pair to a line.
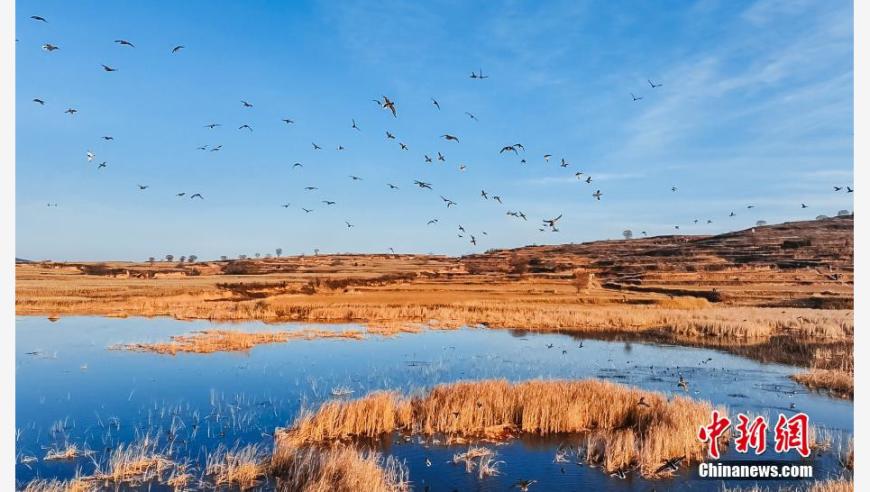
133,464
67,452
54,485
241,467
209,341
496,409
837,383
337,469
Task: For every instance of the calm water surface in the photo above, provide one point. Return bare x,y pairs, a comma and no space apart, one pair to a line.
70,388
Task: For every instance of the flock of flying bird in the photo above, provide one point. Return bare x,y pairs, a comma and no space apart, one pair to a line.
386,104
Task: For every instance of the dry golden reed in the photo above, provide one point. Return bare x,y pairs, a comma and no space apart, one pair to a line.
210,341
337,468
837,383
241,467
497,409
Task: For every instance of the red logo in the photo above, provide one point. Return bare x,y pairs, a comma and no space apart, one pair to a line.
789,434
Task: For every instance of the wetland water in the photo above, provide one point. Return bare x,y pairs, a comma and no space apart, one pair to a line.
71,388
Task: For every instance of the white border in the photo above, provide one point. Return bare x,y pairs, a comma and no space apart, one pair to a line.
861,136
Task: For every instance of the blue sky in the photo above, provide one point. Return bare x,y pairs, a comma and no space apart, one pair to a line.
755,108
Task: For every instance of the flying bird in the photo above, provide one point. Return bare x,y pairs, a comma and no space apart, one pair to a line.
247,104
427,158
838,188
635,98
90,155
288,121
564,163
496,198
308,210
71,111
671,465
101,165
508,148
849,189
471,116
448,201
39,101
310,188
142,187
597,195
316,147
197,195
327,202
651,84
462,168
212,126
435,103
804,205
433,221
423,184
547,157
177,48
109,69
50,47
180,194
552,222
349,225
124,42
392,186
246,126
441,157
524,485
390,135
484,195
387,104
353,124
449,137
403,146
38,18
355,178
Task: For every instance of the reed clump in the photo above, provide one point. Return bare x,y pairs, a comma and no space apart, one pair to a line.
835,382
210,341
337,469
241,467
621,429
66,453
133,464
53,485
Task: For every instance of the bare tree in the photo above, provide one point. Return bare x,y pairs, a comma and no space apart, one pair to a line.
169,257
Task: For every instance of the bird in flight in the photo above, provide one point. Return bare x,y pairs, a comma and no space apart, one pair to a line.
433,221
353,125
804,205
449,137
392,186
441,157
307,210
732,214
180,194
849,189
71,111
286,205
212,126
588,179
327,202
390,135
247,104
473,240
496,198
462,229
216,148
671,465
316,147
107,137
50,47
387,104
288,121
427,158
435,103
39,101
551,223
38,18
462,168
310,188
177,48
101,165
564,163
651,84
197,195
479,75
90,155
349,225
547,157
109,69
124,42
673,188
246,126
597,195
838,188
484,195
471,116
635,98
524,485
508,148
448,201
142,187
403,146
355,178
423,184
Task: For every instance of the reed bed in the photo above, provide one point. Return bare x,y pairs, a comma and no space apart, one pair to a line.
837,383
623,431
337,469
54,485
830,485
134,464
210,341
66,453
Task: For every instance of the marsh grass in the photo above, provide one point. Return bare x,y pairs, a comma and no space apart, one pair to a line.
134,464
241,467
210,341
54,485
338,468
66,453
620,431
837,383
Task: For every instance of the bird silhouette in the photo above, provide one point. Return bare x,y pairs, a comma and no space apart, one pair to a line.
387,104
142,187
508,148
448,201
349,225
308,210
286,205
50,47
180,194
297,164
246,126
247,104
310,188
426,158
484,195
524,485
423,184
316,147
197,195
177,48
403,146
441,157
671,465
433,221
109,69
838,188
597,195
635,98
849,189
471,116
435,103
288,121
327,202
449,137
124,42
651,84
355,178
496,198
353,124
212,126
552,222
39,101
101,165
38,18
392,186
390,135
